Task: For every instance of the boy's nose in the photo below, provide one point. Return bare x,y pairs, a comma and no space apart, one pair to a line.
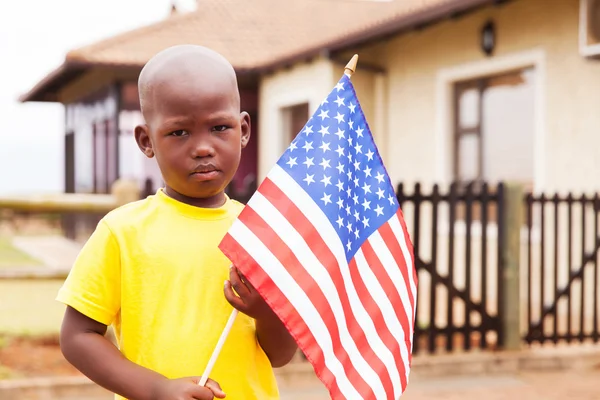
202,148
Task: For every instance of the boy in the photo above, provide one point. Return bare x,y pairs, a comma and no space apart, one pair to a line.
152,268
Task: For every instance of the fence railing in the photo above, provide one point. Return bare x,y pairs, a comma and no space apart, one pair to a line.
70,215
75,215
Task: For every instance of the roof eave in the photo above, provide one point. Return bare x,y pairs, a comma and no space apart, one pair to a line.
43,90
46,89
370,34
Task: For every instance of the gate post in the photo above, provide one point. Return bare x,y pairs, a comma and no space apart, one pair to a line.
510,224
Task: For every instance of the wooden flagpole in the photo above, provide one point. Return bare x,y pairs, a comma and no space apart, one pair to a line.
351,66
348,70
218,347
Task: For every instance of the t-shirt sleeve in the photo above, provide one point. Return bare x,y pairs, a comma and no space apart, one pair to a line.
93,286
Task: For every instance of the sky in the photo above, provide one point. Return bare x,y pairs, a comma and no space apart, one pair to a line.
35,35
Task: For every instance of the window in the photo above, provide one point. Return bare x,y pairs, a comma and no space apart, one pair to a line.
130,156
494,128
294,119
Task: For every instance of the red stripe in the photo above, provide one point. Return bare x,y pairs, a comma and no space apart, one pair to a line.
392,294
282,307
409,244
412,267
327,259
392,243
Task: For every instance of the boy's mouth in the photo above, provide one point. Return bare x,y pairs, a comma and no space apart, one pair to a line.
205,173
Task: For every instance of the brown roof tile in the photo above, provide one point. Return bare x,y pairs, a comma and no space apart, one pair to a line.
260,33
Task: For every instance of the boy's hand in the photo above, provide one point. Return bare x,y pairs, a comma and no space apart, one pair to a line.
249,301
186,389
271,333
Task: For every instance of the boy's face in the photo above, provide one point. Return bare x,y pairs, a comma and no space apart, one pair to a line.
196,131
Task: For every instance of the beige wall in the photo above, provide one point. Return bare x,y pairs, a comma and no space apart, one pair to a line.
305,83
371,90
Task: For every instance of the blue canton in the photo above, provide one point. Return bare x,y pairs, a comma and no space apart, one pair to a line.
335,160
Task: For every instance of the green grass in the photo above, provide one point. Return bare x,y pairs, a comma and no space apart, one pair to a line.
27,306
10,256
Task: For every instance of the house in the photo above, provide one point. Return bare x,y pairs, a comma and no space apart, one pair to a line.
453,89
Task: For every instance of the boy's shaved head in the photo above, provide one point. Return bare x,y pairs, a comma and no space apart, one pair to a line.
193,123
184,62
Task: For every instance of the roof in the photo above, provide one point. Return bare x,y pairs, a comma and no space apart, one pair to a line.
257,37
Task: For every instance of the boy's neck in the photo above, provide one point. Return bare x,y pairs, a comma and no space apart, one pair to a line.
215,201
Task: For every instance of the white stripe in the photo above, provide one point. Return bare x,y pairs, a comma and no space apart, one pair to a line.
384,303
299,300
393,271
408,258
321,276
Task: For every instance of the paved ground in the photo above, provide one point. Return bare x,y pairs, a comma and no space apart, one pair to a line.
53,251
530,386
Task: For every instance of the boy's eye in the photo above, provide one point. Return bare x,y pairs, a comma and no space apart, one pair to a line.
180,132
220,128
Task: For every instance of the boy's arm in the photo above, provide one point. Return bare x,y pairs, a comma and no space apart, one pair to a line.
84,345
275,340
271,333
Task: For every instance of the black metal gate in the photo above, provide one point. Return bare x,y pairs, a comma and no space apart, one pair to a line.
464,244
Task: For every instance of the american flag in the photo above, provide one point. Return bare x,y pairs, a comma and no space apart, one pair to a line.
323,240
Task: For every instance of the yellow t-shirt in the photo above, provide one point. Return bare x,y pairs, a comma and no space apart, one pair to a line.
153,269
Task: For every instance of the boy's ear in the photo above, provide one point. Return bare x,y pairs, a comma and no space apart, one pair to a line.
245,128
143,140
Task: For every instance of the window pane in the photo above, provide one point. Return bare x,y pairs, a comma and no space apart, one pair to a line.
468,157
130,156
100,144
508,126
468,105
299,118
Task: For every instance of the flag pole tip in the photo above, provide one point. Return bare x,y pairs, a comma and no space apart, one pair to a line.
351,66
